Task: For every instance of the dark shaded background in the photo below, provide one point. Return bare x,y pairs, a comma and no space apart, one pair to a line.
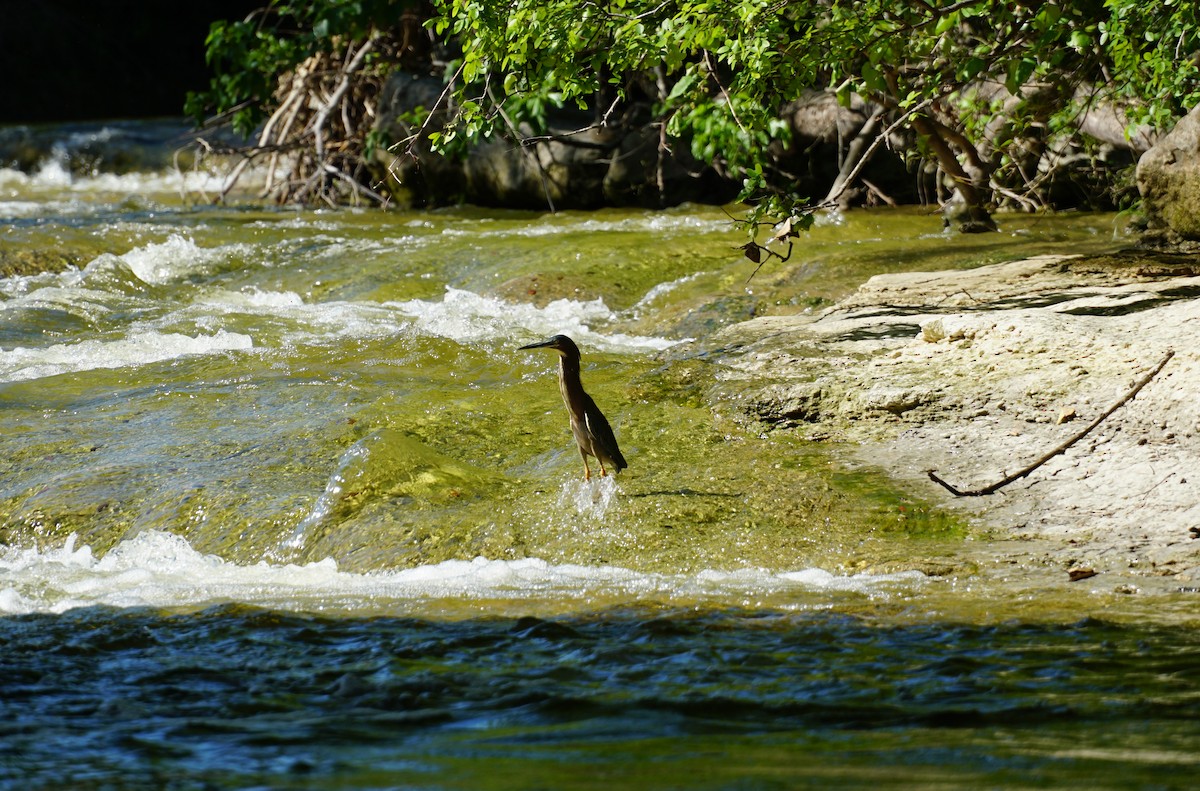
67,60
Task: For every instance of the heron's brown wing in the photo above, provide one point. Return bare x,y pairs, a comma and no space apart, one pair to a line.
602,433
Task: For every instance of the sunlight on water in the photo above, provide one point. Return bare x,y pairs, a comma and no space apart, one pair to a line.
329,499
282,506
151,264
54,175
661,224
179,256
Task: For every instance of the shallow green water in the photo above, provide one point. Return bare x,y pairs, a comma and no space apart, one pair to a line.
282,505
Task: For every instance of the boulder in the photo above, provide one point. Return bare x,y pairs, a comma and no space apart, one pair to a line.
1168,178
973,373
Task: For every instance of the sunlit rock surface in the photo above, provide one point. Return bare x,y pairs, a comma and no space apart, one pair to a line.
979,373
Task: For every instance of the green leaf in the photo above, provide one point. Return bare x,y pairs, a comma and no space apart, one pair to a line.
1018,74
973,68
873,78
683,85
945,23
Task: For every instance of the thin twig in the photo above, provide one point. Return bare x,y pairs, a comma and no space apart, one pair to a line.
712,72
832,197
879,193
854,152
528,152
355,186
1061,448
234,175
415,138
762,249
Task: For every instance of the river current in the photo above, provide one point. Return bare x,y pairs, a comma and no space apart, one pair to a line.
282,506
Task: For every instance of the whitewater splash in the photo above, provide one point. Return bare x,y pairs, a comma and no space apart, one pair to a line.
22,364
175,258
257,319
468,317
592,499
162,571
56,175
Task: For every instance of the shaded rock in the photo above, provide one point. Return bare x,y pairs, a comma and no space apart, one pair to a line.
640,173
1168,178
422,178
575,166
571,166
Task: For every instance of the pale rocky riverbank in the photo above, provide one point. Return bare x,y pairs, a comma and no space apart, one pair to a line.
978,373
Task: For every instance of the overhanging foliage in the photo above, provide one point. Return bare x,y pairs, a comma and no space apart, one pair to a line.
995,92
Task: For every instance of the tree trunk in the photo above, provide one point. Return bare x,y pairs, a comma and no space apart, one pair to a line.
969,210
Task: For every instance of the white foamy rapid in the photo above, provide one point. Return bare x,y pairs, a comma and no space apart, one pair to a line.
470,318
177,257
462,316
111,283
215,320
664,225
242,320
155,263
137,349
159,570
53,175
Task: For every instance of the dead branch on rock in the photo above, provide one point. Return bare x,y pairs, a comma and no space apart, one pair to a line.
993,488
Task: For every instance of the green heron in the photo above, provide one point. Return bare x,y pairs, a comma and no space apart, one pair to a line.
588,424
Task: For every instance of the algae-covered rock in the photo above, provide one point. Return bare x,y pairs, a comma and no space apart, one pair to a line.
31,262
1168,177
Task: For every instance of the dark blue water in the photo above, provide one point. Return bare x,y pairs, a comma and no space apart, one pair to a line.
234,697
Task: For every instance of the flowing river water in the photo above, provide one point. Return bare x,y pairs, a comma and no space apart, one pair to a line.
282,506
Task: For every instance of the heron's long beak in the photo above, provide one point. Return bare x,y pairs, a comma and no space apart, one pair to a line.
540,345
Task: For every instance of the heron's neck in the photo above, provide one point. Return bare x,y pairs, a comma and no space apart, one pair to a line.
569,385
568,368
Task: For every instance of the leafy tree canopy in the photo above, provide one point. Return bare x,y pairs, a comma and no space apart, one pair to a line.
984,85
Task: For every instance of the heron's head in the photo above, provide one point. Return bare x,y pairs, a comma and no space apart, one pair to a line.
559,343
